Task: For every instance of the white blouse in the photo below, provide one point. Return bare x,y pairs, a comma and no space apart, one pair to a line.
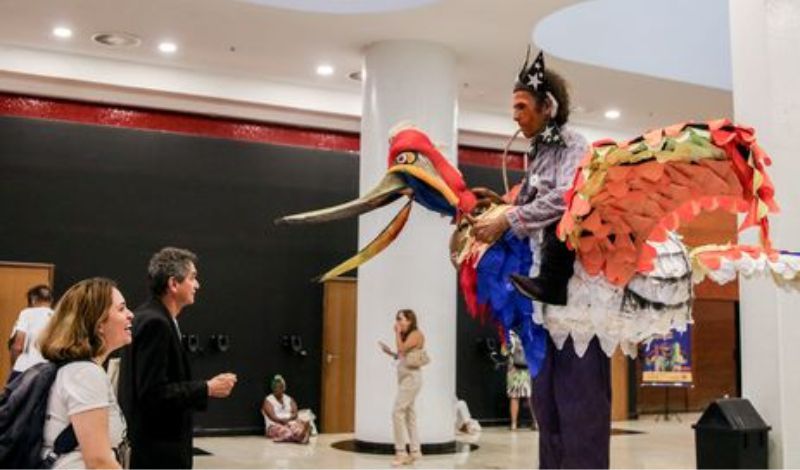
79,387
282,409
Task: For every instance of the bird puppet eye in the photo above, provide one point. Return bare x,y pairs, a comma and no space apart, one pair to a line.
406,158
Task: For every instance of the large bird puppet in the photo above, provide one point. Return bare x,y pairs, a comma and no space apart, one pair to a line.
633,275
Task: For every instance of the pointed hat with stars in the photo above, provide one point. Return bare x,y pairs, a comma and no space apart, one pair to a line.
532,79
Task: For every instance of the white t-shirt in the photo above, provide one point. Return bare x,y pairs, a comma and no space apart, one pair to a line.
79,387
31,321
282,410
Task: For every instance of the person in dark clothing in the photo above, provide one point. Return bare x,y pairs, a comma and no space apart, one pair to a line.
572,394
157,392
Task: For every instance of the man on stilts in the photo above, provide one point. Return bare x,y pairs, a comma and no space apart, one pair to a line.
572,394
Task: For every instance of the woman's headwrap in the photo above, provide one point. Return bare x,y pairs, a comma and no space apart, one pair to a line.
532,79
278,379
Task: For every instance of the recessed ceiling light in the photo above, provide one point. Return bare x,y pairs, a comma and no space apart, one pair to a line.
117,39
62,32
168,47
325,70
612,114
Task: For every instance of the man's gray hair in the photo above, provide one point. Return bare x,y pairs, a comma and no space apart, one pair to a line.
168,262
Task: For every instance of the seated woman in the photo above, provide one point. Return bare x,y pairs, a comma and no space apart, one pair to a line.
280,416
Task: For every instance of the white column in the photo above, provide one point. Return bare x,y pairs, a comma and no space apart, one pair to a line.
406,81
765,35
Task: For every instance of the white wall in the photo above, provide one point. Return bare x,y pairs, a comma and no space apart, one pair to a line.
765,35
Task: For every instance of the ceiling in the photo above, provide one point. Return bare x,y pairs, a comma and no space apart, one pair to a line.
682,40
246,38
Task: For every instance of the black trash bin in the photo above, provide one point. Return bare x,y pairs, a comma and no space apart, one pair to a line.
731,434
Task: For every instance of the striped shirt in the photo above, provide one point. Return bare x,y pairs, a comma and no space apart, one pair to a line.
551,170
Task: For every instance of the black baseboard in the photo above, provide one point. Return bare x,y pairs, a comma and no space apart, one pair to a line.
221,432
385,448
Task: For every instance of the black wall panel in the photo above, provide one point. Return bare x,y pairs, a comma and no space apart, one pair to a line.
98,200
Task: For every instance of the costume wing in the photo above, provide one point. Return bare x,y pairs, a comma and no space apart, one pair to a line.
628,196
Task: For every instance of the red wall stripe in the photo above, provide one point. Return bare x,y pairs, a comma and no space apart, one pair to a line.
486,157
184,123
133,118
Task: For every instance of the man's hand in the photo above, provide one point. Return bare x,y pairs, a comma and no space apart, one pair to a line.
488,230
220,386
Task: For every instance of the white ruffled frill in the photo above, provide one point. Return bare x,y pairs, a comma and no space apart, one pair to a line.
785,269
650,305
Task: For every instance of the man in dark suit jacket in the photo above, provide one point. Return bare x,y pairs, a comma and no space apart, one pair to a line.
156,389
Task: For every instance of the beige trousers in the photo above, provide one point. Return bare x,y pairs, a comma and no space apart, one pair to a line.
409,382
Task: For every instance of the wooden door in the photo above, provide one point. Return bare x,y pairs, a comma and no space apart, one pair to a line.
15,281
714,335
339,355
619,386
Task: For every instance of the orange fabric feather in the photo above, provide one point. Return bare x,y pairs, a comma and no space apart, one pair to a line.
627,194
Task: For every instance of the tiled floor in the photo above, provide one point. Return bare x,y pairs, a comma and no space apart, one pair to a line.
663,445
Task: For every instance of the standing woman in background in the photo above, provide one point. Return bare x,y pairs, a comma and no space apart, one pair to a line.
411,357
518,381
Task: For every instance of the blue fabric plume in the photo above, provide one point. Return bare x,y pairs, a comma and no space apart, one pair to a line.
512,310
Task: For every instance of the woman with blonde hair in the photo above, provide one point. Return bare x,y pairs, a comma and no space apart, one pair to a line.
411,357
90,321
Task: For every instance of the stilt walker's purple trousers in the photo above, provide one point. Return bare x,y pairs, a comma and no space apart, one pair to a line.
572,401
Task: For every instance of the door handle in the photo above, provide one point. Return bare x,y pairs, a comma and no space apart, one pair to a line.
330,357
